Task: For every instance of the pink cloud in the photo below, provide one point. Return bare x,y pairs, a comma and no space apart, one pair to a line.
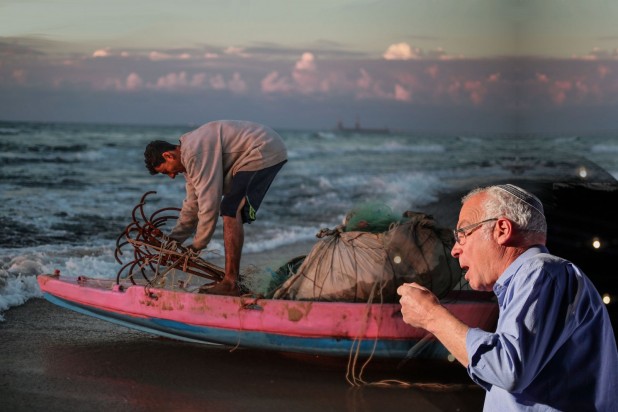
274,83
432,71
364,81
403,73
603,71
370,88
101,53
559,90
161,56
598,53
306,62
476,91
237,85
402,94
400,51
217,82
236,51
133,82
304,74
19,76
180,81
453,88
172,81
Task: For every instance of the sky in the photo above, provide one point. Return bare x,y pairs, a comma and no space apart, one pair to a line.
419,65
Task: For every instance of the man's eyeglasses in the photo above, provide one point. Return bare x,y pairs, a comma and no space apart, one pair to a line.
460,234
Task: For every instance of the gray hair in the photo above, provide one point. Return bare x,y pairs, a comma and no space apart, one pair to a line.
514,203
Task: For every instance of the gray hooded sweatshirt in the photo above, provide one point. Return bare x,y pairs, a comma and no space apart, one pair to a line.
212,155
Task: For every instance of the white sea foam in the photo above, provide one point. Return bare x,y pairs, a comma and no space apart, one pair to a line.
16,291
20,268
413,190
394,146
278,238
604,148
333,147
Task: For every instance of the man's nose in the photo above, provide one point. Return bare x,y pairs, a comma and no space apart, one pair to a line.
456,250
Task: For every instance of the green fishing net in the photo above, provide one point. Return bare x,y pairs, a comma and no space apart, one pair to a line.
373,217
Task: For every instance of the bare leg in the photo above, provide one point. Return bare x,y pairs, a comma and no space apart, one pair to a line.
233,240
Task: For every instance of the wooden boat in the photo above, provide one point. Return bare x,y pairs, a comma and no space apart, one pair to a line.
314,327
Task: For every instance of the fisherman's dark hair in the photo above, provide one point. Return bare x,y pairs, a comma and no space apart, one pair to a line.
153,155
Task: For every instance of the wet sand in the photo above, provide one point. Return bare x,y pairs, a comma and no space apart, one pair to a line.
53,359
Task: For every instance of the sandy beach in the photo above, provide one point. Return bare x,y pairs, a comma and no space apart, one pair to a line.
57,360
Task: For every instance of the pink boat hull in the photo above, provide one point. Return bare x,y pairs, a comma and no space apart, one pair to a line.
328,328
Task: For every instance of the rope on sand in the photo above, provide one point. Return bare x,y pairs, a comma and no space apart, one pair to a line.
354,376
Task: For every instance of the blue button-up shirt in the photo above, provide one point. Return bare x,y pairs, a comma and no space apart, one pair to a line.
554,347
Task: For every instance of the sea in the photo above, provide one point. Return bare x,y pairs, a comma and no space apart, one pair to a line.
68,190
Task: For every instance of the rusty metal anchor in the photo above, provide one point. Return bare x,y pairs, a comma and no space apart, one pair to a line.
155,251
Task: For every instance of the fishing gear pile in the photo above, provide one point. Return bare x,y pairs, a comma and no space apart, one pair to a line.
154,254
371,254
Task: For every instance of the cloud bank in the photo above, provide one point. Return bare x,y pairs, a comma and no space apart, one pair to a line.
411,79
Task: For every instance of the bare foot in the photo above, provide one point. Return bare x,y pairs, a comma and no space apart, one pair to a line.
221,288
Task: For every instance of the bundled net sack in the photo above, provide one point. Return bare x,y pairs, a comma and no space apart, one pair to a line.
342,266
357,266
420,251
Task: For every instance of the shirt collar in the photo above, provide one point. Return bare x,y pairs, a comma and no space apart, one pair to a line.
505,277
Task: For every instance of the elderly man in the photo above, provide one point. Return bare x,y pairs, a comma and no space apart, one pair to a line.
228,167
554,347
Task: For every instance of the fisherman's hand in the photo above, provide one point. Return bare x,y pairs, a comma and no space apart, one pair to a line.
168,243
193,251
417,304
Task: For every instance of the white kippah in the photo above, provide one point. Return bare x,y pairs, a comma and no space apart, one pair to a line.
524,196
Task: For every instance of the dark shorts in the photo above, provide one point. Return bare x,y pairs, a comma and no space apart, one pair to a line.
251,186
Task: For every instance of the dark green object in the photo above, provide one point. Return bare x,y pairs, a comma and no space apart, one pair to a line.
373,217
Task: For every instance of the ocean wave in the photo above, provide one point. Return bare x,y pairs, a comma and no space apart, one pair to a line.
276,238
421,148
16,159
362,150
8,131
43,148
55,156
20,267
566,140
604,148
16,291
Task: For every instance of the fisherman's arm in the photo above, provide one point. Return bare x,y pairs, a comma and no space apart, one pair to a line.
206,174
187,220
421,309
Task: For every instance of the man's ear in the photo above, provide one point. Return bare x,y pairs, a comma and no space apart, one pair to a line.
169,155
504,231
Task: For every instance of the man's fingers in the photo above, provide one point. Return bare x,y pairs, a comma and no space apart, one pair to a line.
401,290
